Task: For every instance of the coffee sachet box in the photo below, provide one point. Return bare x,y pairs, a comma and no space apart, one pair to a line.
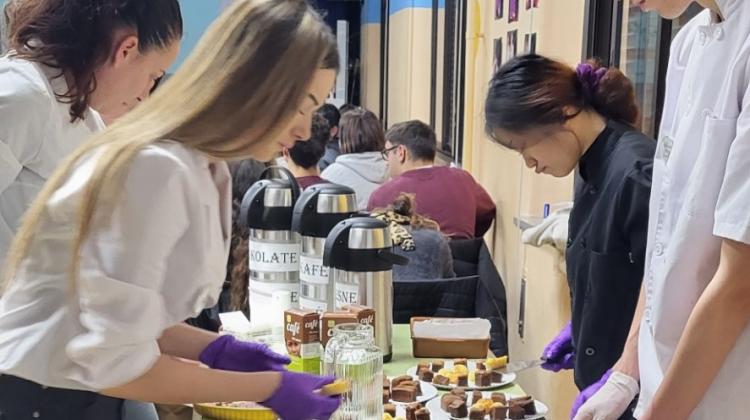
302,338
365,314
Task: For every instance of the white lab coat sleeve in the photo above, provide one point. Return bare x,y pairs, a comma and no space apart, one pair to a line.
732,218
123,267
24,114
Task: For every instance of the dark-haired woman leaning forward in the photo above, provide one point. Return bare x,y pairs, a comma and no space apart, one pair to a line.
560,119
68,63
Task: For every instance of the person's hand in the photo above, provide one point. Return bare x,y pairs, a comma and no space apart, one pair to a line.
297,397
228,353
607,399
559,353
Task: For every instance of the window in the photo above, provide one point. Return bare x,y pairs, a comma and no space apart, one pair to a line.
512,49
529,44
497,57
638,43
644,58
451,121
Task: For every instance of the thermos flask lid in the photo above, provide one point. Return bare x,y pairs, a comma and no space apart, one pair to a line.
277,195
322,206
361,244
268,203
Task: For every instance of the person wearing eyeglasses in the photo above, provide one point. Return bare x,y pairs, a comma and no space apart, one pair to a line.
410,150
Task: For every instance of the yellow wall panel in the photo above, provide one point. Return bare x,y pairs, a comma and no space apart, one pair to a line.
370,53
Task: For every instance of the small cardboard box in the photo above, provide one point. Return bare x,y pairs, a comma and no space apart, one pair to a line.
447,348
365,314
302,338
330,320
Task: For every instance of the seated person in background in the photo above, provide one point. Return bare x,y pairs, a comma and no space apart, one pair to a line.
347,107
302,159
332,115
360,165
417,238
449,196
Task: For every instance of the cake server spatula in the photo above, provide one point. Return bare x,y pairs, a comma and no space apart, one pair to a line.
514,367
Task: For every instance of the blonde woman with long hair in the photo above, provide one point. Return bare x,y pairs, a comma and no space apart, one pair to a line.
130,235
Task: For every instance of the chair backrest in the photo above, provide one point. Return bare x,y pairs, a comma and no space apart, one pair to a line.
472,257
450,298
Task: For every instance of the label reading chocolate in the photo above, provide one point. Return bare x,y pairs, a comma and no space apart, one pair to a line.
274,257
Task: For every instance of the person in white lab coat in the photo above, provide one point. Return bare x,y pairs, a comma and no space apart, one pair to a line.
130,235
69,61
690,340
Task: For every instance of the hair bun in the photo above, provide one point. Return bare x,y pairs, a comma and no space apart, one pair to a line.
404,205
608,91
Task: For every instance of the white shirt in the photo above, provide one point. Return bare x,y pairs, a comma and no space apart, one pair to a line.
700,195
158,257
35,135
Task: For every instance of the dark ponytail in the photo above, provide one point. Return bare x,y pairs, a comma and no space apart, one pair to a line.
76,36
531,91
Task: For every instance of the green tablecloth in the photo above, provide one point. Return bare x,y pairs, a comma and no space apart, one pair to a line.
403,359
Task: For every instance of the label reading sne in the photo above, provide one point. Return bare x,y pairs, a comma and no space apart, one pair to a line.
273,257
312,270
346,294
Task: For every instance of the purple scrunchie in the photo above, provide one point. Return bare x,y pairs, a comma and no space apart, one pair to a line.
590,78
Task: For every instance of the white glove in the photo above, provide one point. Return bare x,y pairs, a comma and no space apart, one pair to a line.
611,400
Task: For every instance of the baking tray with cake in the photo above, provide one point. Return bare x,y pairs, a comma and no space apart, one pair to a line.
406,389
469,374
477,405
245,410
240,410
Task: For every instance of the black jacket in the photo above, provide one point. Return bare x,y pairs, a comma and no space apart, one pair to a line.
478,291
606,246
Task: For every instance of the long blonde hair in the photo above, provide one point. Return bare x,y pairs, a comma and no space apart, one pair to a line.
249,71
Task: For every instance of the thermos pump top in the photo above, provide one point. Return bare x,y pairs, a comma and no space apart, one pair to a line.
274,249
360,255
319,209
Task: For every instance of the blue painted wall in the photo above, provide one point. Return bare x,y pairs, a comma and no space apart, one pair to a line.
371,13
197,15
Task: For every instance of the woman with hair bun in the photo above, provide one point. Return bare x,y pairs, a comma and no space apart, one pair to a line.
561,119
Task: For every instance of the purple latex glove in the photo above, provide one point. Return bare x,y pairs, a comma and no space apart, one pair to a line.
588,393
297,398
559,353
228,353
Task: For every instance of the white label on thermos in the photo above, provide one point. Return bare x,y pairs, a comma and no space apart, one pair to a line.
346,294
312,270
274,257
312,304
263,307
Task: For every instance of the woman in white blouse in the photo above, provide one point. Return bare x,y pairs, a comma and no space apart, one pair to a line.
129,236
